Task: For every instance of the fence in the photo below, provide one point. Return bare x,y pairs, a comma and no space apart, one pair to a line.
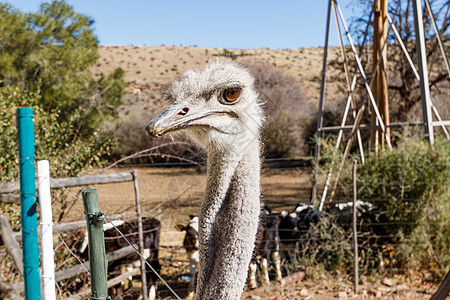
10,238
333,244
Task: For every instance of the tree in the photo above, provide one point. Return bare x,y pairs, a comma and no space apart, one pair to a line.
404,88
46,59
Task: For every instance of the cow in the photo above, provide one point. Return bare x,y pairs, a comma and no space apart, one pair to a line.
266,250
114,241
190,244
294,225
344,210
342,214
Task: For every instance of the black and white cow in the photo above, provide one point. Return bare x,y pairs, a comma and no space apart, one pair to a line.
267,248
293,225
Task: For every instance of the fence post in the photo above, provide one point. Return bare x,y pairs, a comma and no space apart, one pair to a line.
45,205
355,232
141,235
30,246
97,253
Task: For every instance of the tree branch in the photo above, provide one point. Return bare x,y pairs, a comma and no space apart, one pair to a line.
142,153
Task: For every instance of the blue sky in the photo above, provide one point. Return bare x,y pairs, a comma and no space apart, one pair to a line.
219,24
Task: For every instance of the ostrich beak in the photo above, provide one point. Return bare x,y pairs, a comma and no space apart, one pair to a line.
177,117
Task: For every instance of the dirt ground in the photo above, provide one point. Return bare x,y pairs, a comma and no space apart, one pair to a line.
171,195
325,286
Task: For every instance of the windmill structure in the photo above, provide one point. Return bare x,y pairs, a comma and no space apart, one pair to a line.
376,87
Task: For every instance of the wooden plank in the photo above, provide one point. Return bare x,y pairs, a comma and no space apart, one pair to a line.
55,183
79,269
444,289
10,198
367,126
441,123
12,247
70,226
112,282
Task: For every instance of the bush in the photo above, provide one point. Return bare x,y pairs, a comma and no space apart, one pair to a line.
133,139
55,140
288,110
327,244
408,228
401,184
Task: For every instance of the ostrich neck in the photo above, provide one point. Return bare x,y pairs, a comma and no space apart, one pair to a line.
228,222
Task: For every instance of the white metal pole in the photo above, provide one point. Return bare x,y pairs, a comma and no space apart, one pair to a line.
423,71
45,204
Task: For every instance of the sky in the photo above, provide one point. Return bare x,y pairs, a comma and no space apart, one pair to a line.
218,24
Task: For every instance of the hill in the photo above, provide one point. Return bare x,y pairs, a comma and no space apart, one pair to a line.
150,68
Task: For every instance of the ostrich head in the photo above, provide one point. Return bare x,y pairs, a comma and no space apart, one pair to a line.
217,108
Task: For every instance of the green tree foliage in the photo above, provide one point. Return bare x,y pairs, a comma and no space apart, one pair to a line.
45,60
407,230
56,140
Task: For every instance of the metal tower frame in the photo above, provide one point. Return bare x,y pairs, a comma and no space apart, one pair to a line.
421,75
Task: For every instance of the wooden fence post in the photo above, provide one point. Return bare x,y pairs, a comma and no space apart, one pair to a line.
141,235
97,254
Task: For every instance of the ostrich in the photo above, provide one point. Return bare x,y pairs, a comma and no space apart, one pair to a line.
218,109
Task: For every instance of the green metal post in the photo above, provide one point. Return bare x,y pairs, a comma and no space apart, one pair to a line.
97,255
30,246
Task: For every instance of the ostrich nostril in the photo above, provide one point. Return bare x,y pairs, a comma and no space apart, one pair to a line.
183,111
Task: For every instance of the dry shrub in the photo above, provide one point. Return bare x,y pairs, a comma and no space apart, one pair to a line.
289,112
407,230
133,140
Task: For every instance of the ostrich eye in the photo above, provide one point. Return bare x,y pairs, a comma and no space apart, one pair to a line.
183,111
232,94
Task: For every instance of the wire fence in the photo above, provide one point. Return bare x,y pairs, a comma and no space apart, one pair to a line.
383,225
122,236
